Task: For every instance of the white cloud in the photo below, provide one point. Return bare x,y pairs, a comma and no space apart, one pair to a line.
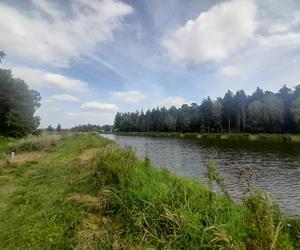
215,34
99,106
39,79
229,70
63,98
280,40
128,96
50,35
284,25
72,114
176,101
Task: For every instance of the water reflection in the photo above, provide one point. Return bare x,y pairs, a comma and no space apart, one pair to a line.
277,166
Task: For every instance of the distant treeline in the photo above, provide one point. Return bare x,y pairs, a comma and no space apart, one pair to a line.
263,111
18,104
92,128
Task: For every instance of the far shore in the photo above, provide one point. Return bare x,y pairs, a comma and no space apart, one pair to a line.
263,137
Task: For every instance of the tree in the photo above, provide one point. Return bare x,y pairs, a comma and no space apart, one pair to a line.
217,112
255,113
50,128
240,100
18,105
258,95
106,128
273,112
171,122
285,94
259,112
58,129
2,56
206,110
295,110
228,107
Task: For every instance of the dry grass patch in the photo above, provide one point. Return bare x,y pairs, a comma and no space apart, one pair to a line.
87,155
252,137
224,137
25,157
4,161
90,231
100,232
295,138
84,198
93,229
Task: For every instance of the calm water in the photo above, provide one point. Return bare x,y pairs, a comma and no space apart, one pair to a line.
277,167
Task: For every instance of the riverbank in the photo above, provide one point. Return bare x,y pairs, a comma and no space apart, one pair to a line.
83,191
224,137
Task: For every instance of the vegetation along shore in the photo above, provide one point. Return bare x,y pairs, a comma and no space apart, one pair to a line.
83,191
221,136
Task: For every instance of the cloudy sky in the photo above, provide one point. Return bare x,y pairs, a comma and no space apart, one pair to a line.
90,59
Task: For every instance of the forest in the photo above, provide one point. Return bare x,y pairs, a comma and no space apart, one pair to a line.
260,112
18,105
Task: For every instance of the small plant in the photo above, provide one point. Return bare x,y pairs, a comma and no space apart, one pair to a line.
263,221
213,176
146,158
246,178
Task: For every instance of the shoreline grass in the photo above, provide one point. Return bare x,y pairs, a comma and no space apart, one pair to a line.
88,193
244,137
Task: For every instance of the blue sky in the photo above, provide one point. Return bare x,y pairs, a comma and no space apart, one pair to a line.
90,59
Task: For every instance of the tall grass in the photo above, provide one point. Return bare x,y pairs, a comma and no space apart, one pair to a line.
44,142
157,209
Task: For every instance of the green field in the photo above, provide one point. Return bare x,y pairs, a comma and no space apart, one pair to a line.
82,191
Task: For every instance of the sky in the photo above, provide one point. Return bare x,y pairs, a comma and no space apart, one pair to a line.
91,59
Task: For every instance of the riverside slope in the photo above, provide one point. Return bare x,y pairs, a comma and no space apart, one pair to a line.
87,193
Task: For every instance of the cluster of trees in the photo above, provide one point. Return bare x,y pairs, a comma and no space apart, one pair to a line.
263,111
18,104
92,128
51,129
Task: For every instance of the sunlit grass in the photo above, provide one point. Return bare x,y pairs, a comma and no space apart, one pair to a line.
158,209
87,193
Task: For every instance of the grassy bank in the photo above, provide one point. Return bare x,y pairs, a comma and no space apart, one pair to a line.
85,192
217,136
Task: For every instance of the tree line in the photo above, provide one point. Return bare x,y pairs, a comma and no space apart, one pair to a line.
92,128
262,111
18,104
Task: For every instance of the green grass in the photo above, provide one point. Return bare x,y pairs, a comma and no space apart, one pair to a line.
87,193
35,212
157,209
4,142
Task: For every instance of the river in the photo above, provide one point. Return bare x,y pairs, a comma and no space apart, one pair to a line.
276,166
